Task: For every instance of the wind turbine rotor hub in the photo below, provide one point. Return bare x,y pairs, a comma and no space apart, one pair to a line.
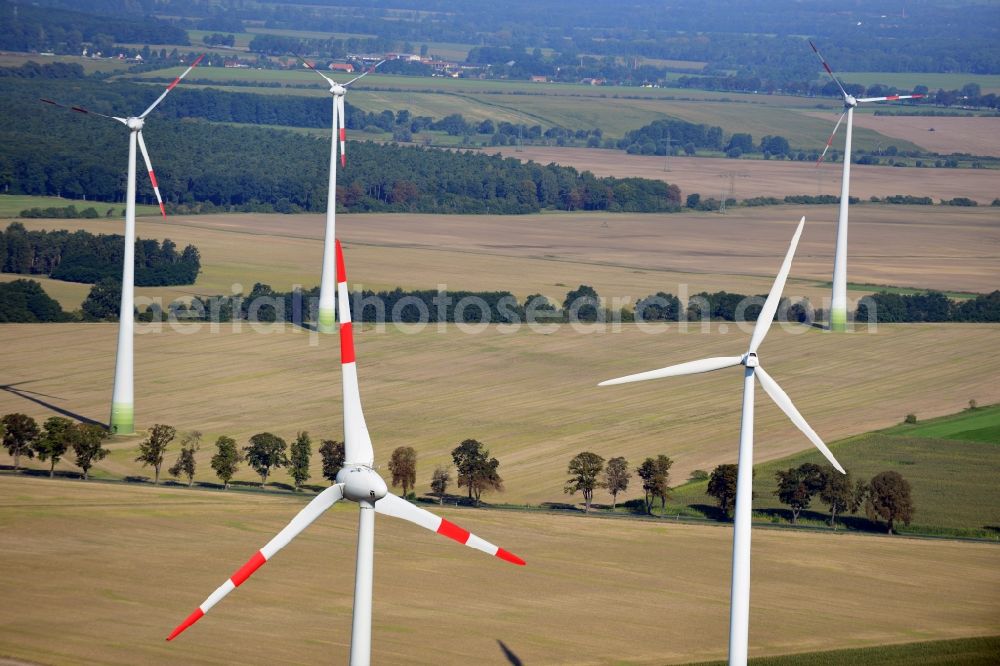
750,360
850,102
362,484
135,124
338,90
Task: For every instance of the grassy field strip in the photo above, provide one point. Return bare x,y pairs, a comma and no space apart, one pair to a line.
11,206
90,65
963,651
979,425
515,391
473,86
908,80
139,559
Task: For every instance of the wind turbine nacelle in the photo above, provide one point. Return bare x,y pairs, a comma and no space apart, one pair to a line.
134,123
362,484
750,360
338,89
850,101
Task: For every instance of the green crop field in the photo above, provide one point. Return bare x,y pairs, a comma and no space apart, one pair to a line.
241,39
11,206
977,425
949,461
959,652
989,83
105,570
90,65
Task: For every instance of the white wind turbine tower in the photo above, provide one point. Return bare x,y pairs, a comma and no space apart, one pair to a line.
838,301
122,399
359,482
739,618
327,290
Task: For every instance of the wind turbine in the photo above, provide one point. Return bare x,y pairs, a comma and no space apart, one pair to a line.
838,301
359,482
739,617
122,400
326,316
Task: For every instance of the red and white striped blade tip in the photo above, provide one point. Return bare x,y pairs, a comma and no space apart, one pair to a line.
462,535
238,578
341,268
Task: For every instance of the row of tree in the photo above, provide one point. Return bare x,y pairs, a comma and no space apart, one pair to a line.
58,435
887,496
931,306
589,472
81,256
265,452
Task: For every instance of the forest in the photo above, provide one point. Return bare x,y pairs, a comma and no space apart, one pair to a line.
48,151
80,256
29,27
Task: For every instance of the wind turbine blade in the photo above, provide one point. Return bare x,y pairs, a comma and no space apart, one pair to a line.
828,70
172,85
397,507
890,98
689,368
313,68
342,129
829,141
357,442
366,73
305,517
774,297
80,109
152,176
785,403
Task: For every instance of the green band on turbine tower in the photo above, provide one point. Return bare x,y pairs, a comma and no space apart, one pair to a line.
122,419
838,320
327,321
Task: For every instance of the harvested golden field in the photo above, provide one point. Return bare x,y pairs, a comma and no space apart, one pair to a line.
530,395
976,136
105,571
772,178
621,255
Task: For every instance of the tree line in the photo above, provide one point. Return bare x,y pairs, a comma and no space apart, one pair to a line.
930,306
80,256
589,472
887,496
265,453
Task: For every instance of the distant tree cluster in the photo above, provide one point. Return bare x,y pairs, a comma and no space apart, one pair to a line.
662,136
81,256
25,302
929,306
476,470
887,496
